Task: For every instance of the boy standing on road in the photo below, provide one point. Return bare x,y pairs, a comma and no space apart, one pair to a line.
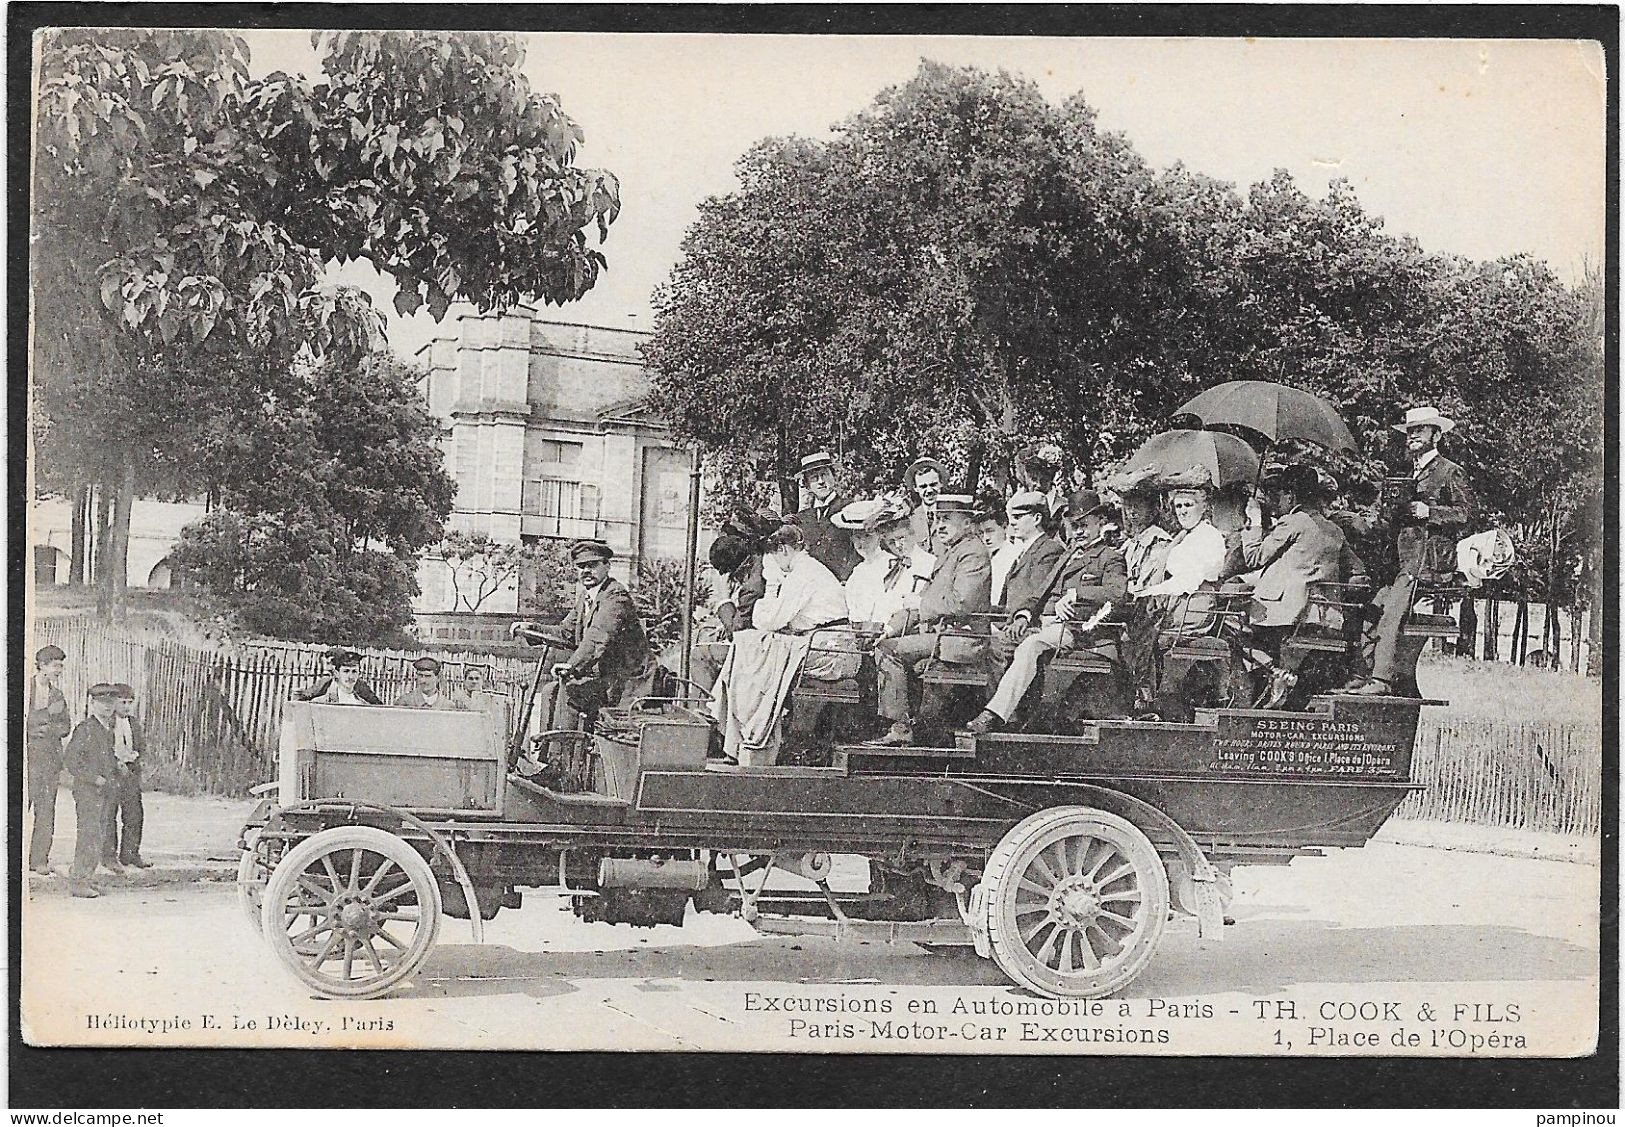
92,763
48,725
124,794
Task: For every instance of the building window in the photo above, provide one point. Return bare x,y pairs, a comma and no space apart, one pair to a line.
565,455
45,564
566,508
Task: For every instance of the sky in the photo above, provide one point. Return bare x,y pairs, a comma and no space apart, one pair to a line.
1480,148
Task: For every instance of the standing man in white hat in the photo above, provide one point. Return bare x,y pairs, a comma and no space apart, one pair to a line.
829,545
1429,525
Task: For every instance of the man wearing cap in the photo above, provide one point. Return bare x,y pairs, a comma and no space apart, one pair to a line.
48,725
352,688
1089,575
121,837
958,594
90,759
1429,526
827,544
611,661
924,478
426,690
1031,553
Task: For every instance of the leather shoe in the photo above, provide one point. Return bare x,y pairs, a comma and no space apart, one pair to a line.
1282,682
138,863
113,865
84,892
42,870
899,734
1374,688
986,721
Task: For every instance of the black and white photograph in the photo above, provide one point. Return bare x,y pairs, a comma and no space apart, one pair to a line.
692,542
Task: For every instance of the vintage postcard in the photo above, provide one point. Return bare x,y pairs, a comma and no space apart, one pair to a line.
788,543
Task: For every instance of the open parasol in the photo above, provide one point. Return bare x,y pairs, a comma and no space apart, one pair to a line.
1274,410
1225,457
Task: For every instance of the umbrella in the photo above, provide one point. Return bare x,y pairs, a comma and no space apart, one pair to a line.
1274,410
1225,457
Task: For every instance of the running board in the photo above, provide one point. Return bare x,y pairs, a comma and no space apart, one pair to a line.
944,932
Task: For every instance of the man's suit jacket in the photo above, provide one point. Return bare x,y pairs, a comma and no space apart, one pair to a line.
1031,571
90,752
1304,547
1427,546
961,586
1095,571
919,525
609,638
827,544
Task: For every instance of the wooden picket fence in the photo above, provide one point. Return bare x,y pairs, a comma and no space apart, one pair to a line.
213,719
1526,776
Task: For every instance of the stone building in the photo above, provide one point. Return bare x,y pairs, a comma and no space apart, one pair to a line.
549,437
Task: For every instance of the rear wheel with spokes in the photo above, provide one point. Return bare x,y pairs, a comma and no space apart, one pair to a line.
1075,901
352,911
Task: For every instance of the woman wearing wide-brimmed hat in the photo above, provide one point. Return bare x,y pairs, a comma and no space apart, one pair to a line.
881,583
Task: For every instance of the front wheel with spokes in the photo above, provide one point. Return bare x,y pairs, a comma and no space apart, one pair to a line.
1075,901
352,911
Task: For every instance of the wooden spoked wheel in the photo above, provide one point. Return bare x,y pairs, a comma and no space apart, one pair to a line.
253,871
1075,901
352,911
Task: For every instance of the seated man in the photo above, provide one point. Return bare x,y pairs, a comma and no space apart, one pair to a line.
1303,547
611,662
426,691
1088,576
959,590
1034,555
343,685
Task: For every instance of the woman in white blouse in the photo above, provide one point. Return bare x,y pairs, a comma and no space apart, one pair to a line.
1196,555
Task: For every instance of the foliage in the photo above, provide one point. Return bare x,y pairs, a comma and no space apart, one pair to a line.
547,580
657,589
965,267
284,577
481,566
327,491
184,213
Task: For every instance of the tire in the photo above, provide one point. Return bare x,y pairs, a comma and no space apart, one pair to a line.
252,875
1075,901
331,900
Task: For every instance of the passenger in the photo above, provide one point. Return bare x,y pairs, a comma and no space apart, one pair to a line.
472,695
827,544
1428,527
1303,547
1038,470
1031,562
958,595
1089,575
1183,604
344,684
897,536
1145,555
924,479
426,691
991,526
804,598
880,584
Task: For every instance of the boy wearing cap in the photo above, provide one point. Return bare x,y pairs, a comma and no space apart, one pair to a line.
426,691
1429,527
350,688
124,788
91,761
829,545
48,725
958,594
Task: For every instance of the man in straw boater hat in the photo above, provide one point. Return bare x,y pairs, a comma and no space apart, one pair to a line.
1441,507
959,594
829,545
611,663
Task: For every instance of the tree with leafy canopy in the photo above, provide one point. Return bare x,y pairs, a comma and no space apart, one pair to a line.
327,492
183,213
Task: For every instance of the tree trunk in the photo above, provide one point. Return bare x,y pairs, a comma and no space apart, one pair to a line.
112,579
79,537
